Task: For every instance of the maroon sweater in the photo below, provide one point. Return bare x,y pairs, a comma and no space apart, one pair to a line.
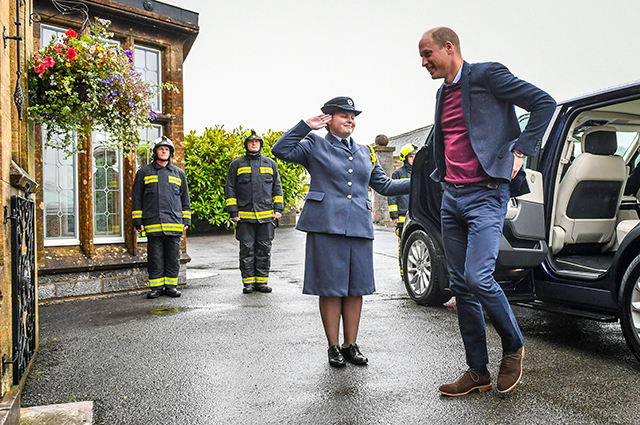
462,163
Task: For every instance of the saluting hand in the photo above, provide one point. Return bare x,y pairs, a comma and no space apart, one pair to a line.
319,121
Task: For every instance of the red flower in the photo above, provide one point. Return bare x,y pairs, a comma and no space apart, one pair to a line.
48,62
70,33
71,54
40,69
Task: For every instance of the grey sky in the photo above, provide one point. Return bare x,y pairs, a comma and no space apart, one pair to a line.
268,64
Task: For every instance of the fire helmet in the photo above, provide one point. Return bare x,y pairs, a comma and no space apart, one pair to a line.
407,150
163,141
251,134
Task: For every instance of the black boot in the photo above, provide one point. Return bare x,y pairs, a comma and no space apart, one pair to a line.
154,293
247,289
172,291
262,288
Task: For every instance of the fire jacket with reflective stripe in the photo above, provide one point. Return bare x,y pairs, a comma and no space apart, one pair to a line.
253,190
160,200
399,204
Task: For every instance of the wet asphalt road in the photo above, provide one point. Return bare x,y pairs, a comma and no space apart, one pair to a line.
216,356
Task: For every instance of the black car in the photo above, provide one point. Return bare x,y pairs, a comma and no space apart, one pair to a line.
572,245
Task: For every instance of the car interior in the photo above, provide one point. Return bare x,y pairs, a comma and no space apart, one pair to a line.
596,201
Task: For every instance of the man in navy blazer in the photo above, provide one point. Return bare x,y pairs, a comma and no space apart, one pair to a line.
479,152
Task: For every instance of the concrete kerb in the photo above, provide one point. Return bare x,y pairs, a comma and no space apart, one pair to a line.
79,413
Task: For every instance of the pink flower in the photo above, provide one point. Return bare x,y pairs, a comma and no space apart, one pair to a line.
40,69
70,33
36,57
48,62
71,54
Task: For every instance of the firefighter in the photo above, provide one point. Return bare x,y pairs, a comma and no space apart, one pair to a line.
162,209
399,204
254,200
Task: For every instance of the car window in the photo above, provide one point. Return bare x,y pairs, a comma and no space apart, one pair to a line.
626,141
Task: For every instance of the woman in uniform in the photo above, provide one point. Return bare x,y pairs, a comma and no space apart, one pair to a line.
337,219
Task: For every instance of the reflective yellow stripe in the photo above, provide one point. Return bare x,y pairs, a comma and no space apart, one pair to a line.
278,199
403,178
156,282
173,281
150,179
255,215
393,208
248,280
175,180
186,214
232,201
136,214
164,227
243,170
401,219
261,280
266,170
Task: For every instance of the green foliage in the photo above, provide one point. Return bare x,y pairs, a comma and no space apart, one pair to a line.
207,160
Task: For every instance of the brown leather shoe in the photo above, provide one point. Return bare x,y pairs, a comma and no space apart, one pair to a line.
510,371
470,381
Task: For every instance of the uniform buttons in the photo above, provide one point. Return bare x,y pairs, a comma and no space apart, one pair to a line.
348,196
350,158
350,171
349,184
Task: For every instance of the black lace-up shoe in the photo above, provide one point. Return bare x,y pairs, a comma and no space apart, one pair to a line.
335,356
353,354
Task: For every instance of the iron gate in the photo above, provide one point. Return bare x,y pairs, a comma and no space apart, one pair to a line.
23,273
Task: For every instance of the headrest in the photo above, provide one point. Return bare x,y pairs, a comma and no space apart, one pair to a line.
600,140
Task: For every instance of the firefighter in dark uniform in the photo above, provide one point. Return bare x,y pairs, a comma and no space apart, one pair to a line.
337,218
399,204
253,195
161,208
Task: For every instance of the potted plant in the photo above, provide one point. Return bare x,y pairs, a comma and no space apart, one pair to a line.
79,83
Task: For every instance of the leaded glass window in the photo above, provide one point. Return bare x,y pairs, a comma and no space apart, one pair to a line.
147,62
60,200
107,191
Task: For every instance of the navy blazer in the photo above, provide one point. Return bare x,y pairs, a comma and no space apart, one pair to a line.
489,93
338,199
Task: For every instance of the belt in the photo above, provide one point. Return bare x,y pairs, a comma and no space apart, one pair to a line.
489,184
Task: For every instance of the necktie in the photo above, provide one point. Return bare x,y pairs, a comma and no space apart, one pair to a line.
346,143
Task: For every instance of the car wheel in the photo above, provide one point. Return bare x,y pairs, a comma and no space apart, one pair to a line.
630,314
424,270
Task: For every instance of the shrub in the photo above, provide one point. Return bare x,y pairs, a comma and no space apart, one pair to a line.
207,160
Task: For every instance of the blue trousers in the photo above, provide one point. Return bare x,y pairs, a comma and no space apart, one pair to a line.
472,221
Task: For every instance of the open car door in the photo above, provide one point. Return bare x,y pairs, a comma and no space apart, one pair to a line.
523,242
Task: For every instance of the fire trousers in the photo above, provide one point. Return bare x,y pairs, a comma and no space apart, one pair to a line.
255,251
163,260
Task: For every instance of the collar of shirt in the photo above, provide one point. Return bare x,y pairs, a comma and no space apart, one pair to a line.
340,140
455,80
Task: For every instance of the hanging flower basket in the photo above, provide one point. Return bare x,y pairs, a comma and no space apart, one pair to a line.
77,84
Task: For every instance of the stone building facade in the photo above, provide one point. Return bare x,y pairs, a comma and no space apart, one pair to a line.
86,241
17,171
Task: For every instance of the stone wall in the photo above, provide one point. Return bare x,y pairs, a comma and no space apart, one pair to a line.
97,282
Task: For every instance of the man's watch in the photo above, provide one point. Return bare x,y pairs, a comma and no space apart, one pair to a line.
519,154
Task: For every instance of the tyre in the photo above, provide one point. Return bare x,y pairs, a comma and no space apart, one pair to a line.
424,269
630,306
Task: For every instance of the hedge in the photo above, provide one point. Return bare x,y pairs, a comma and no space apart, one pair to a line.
207,159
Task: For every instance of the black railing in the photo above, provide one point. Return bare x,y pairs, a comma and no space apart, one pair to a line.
23,279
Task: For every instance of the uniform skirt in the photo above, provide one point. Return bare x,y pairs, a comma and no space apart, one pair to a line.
338,266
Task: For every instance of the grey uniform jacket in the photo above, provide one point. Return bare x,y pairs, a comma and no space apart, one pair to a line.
338,200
